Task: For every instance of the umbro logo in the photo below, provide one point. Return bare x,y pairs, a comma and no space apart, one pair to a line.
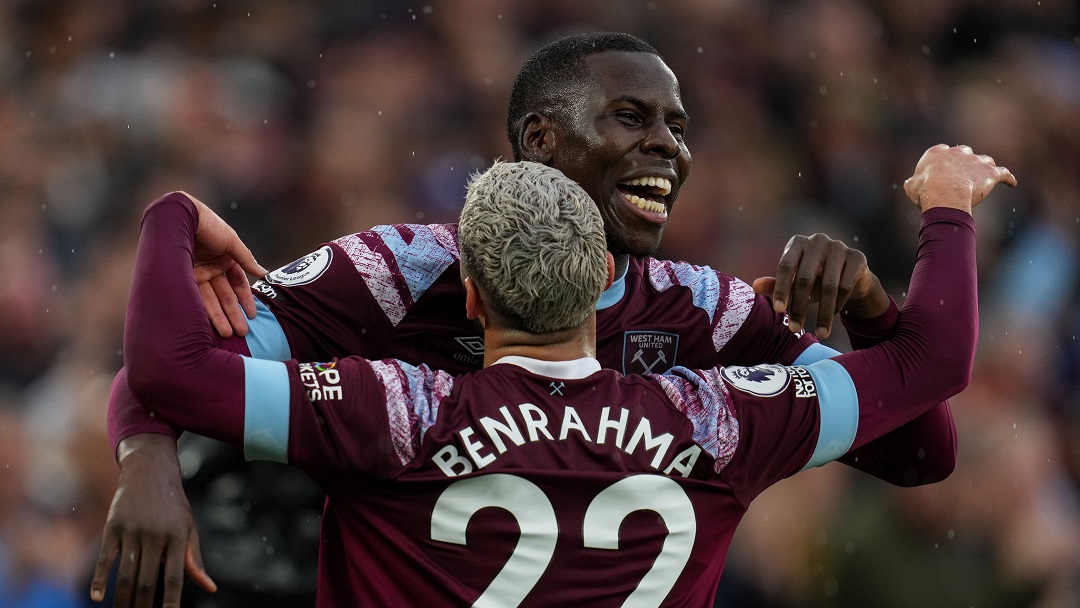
474,345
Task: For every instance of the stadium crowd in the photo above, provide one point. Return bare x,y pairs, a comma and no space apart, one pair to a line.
300,122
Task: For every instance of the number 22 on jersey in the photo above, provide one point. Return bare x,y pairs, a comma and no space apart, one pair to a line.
539,530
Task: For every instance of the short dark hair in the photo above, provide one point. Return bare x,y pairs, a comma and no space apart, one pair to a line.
555,71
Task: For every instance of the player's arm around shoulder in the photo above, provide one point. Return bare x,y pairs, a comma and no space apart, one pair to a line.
357,414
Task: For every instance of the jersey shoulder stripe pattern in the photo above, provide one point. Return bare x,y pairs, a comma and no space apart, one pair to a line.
413,395
704,399
711,291
399,262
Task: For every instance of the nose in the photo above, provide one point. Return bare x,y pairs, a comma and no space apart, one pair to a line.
661,141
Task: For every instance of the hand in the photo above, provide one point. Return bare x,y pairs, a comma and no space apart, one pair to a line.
221,259
150,526
826,271
954,177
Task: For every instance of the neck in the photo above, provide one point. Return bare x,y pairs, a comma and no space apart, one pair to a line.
621,262
564,345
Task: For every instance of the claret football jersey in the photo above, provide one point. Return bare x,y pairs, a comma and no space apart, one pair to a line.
395,292
537,483
598,489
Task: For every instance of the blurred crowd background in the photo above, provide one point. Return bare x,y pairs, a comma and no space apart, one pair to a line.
303,121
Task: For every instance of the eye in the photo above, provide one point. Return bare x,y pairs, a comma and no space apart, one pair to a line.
678,131
629,118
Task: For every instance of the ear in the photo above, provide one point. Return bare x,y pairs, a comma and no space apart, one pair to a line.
610,269
537,138
474,304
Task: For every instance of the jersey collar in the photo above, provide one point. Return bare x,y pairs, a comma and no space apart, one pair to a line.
613,294
563,370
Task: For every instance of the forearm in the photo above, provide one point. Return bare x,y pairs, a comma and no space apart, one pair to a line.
929,357
174,367
127,417
919,452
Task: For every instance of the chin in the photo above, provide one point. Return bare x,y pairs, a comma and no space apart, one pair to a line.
644,247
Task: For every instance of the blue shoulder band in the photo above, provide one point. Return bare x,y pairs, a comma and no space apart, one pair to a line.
265,338
266,410
814,353
839,405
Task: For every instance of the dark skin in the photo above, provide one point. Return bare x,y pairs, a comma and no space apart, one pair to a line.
630,123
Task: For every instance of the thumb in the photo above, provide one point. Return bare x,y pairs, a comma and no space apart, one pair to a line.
764,285
194,564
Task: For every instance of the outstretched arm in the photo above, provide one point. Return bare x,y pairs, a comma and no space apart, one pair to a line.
930,355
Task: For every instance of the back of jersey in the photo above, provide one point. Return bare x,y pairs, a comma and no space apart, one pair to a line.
558,488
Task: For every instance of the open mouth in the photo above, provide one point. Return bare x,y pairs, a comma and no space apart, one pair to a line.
647,193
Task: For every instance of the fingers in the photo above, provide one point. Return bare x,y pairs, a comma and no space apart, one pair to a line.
173,579
213,309
223,291
806,279
764,286
1006,177
109,547
239,283
829,295
127,571
194,563
785,272
954,177
237,250
149,566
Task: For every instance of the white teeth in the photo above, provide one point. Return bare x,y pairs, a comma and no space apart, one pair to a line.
646,204
662,183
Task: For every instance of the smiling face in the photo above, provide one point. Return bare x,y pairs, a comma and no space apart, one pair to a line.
621,138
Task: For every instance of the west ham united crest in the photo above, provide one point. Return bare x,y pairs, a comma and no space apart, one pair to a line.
649,352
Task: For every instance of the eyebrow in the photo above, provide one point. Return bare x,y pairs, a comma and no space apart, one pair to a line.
644,107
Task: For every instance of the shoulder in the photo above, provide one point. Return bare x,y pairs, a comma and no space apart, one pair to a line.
419,242
711,290
703,398
413,394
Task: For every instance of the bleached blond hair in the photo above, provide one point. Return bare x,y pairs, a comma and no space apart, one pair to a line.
534,241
